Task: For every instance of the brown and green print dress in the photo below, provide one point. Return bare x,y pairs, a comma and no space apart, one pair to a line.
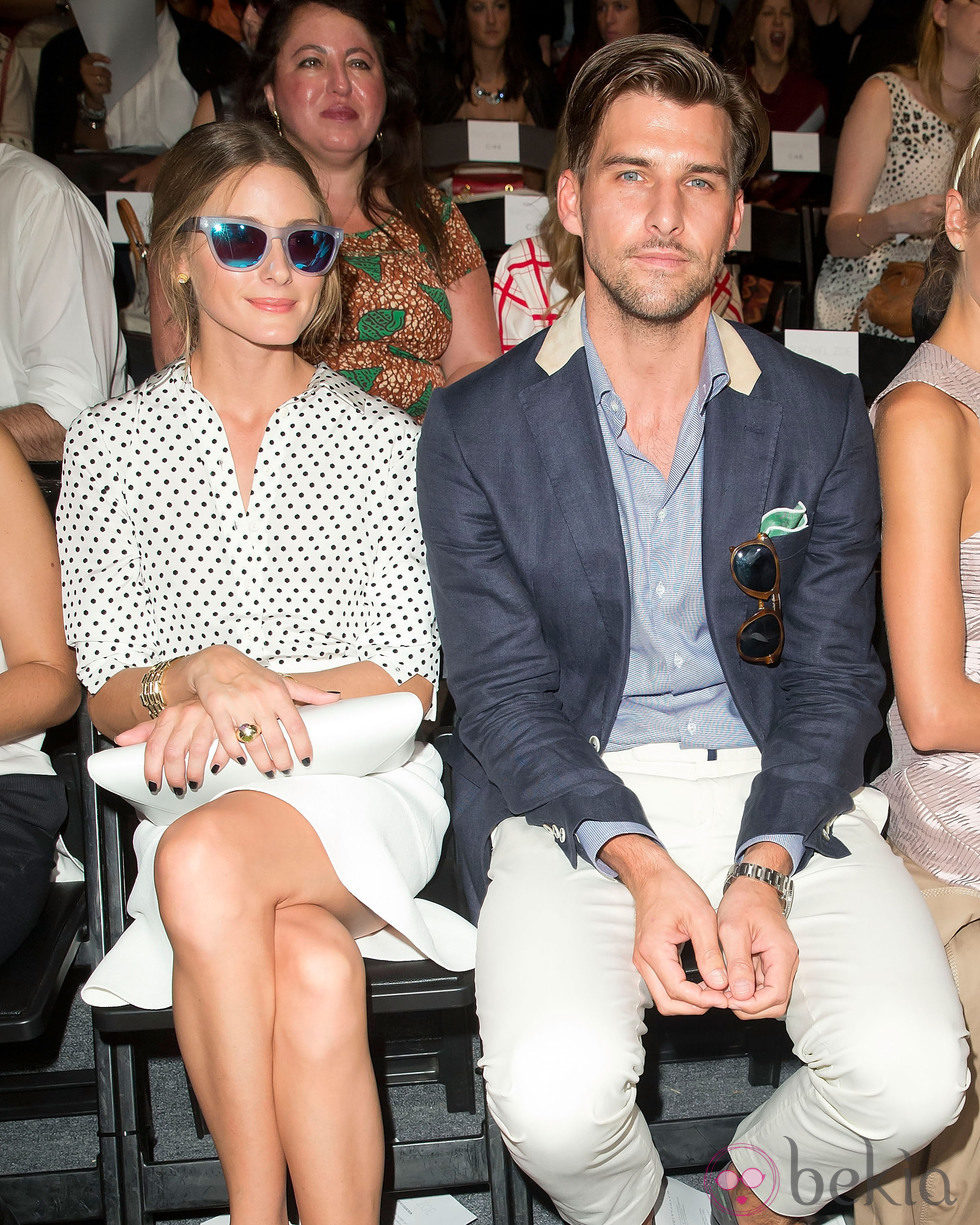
396,321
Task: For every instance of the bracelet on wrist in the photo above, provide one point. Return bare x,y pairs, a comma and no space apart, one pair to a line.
90,114
152,696
868,246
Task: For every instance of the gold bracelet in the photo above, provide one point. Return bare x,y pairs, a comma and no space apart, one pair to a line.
152,698
869,247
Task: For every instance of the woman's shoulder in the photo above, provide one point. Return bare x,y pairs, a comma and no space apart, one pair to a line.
330,396
915,413
118,418
903,89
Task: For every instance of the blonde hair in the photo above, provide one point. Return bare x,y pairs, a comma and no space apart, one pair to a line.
202,160
564,249
945,262
928,66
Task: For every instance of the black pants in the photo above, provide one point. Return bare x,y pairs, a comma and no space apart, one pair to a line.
32,810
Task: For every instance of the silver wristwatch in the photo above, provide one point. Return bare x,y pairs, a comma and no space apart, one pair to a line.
782,883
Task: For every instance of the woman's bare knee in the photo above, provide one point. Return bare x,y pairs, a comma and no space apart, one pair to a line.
202,884
320,983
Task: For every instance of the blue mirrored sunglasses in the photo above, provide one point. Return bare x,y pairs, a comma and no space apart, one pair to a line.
237,243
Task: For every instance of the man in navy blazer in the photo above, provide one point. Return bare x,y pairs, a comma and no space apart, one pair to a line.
652,538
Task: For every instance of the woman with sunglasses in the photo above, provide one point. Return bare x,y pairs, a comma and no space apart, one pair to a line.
927,427
417,311
239,538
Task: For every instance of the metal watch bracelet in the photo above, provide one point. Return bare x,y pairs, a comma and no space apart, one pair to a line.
779,881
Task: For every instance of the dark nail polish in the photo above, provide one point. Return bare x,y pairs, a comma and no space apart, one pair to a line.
215,769
285,773
270,773
178,792
241,761
153,788
193,786
334,692
307,761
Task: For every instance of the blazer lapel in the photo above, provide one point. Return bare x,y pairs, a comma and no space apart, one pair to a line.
740,438
561,417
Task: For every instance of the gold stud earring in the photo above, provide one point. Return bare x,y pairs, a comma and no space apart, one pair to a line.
182,278
379,135
275,116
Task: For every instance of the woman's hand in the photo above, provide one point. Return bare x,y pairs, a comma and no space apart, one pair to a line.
96,78
177,747
229,690
920,216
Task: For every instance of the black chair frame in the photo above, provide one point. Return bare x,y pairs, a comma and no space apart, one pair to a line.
139,1188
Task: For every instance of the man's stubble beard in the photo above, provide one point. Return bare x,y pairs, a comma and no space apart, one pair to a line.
634,299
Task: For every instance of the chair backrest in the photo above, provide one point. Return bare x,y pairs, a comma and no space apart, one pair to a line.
448,144
32,977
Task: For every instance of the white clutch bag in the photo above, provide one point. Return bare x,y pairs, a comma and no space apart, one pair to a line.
356,737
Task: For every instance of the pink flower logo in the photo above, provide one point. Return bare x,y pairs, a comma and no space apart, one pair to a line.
759,1174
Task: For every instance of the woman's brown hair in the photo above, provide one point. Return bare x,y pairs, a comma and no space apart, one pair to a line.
201,161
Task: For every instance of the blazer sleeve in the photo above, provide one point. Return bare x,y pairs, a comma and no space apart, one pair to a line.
502,673
830,679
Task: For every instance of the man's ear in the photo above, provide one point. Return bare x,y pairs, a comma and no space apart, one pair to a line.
738,212
568,202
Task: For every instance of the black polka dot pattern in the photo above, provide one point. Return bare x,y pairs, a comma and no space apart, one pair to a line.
160,557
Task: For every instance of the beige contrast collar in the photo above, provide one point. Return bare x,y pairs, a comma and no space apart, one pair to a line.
565,339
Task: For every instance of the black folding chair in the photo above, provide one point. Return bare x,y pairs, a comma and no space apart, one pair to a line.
139,1187
34,998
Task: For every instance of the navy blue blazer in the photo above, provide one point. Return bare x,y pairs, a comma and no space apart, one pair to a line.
531,590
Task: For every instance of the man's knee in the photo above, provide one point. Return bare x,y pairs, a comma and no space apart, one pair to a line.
903,1088
561,1102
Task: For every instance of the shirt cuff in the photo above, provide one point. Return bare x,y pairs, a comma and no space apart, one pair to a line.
789,842
592,836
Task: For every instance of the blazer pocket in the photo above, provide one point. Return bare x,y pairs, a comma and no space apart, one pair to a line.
792,543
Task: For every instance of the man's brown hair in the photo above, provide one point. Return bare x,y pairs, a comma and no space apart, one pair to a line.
671,69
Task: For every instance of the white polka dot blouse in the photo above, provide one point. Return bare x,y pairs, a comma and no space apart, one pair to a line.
160,557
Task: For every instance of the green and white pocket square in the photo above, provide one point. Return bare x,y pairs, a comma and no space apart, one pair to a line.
782,520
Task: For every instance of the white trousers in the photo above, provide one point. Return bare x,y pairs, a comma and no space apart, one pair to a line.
873,1016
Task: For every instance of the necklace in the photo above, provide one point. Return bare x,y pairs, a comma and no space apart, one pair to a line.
493,96
341,222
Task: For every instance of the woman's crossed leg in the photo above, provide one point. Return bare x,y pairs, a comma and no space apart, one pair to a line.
269,1007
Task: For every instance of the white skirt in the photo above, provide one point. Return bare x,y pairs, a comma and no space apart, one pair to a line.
383,834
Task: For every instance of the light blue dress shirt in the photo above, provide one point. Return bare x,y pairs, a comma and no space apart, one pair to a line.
675,689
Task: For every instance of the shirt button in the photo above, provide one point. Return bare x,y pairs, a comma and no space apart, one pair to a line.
692,727
678,660
594,741
661,589
662,514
